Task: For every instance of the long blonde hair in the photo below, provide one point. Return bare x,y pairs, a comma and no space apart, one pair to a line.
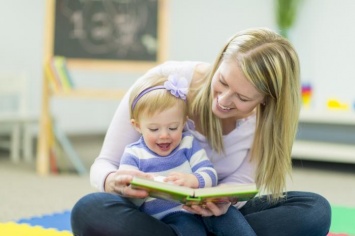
271,64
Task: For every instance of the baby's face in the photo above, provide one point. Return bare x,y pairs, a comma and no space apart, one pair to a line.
162,132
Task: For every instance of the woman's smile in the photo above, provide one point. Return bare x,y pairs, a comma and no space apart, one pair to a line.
223,107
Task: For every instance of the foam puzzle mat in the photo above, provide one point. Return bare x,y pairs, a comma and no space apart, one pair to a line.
343,221
14,229
59,221
58,224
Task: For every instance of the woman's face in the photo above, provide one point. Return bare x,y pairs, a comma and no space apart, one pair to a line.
233,95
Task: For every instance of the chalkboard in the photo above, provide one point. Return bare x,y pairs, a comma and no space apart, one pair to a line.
120,30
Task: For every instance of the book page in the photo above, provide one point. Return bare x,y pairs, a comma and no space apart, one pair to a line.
227,193
189,196
226,189
163,190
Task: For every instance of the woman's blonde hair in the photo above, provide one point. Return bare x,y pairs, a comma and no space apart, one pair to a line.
154,101
271,64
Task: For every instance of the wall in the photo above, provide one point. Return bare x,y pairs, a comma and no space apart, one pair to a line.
324,38
21,24
196,31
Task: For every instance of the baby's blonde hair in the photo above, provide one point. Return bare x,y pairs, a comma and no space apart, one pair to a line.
154,101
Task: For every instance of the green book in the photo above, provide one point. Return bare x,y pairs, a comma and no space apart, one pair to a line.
191,196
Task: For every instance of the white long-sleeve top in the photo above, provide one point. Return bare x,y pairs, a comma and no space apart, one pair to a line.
233,166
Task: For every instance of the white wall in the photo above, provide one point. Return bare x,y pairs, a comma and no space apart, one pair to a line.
21,25
197,29
324,36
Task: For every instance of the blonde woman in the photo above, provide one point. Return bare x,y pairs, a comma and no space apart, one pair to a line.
244,111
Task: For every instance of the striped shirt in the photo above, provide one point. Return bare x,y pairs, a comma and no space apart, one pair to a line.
188,157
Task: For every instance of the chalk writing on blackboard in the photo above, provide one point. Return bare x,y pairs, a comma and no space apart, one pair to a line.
107,29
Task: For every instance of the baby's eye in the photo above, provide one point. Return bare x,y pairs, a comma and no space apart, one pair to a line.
175,128
153,130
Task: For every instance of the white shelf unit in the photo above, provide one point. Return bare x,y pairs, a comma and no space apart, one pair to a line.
328,117
330,151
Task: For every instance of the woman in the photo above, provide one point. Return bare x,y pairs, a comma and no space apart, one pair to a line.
244,111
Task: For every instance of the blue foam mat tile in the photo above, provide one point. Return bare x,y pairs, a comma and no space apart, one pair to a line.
59,221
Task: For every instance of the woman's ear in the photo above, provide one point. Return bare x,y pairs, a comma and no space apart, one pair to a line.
135,125
264,101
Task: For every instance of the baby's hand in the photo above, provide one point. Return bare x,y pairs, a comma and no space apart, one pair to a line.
159,178
182,179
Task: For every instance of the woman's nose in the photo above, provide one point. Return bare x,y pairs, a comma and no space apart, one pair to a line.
224,98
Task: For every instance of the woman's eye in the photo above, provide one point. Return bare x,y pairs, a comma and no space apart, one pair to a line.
223,83
243,100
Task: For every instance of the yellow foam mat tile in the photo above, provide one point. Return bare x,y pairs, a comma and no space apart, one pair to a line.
13,229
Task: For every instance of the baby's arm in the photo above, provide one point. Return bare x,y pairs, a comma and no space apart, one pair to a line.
202,167
203,170
129,160
203,174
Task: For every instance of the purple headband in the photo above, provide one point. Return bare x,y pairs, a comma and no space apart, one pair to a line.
177,87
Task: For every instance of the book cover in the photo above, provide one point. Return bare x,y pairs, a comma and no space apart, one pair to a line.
55,73
50,76
190,196
65,72
60,67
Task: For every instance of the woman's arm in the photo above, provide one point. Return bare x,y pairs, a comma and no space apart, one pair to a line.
119,134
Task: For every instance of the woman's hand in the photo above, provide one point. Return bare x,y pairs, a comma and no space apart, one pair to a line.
119,182
210,209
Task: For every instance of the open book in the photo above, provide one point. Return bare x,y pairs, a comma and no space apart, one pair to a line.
190,196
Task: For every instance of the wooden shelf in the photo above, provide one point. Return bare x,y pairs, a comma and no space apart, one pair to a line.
49,132
324,151
328,117
91,94
326,123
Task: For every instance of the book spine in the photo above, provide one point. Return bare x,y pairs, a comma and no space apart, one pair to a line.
60,65
68,75
50,76
55,73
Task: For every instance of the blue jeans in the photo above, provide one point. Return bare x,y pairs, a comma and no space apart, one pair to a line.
232,223
300,213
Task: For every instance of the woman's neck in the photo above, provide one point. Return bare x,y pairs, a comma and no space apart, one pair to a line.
228,125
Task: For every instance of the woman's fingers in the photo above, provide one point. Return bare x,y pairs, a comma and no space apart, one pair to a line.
218,209
121,183
209,209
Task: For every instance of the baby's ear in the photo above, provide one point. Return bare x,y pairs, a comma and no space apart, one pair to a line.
135,125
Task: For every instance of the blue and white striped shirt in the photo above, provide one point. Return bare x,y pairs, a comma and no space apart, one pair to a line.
188,157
